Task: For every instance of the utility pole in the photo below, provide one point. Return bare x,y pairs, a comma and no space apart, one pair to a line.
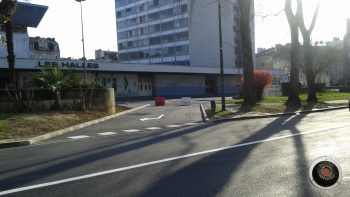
222,80
83,39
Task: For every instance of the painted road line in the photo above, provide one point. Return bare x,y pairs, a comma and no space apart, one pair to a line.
173,126
330,129
192,123
131,130
107,133
153,128
78,137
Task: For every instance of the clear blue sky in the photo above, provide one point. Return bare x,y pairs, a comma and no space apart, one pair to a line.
62,21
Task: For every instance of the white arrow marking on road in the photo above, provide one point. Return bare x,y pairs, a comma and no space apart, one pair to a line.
159,117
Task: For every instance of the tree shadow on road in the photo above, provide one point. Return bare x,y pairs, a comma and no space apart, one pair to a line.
210,175
32,173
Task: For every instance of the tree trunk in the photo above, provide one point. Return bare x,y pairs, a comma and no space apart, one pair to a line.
310,76
248,67
11,54
293,94
58,100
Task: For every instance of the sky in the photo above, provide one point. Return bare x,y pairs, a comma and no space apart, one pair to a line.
62,21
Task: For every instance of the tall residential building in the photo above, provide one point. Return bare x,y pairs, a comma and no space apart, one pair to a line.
178,32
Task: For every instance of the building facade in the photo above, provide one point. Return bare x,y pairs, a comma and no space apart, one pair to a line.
108,56
178,32
44,48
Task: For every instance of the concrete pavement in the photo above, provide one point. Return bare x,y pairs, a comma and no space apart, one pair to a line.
264,157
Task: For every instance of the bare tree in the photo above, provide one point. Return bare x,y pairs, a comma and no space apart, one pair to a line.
293,93
308,60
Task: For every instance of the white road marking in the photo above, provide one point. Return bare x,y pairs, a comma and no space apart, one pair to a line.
164,160
192,123
131,130
107,133
173,126
159,117
153,128
78,137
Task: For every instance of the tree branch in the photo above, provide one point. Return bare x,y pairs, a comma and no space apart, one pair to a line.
267,15
300,17
312,26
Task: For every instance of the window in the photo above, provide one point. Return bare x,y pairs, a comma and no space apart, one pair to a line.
154,40
166,13
167,26
142,19
181,36
153,16
168,38
181,50
154,28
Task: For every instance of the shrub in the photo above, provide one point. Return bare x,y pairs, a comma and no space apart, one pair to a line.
262,78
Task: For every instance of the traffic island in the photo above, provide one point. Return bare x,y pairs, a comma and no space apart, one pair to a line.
264,110
29,128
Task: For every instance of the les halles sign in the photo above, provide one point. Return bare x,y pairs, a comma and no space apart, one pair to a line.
65,64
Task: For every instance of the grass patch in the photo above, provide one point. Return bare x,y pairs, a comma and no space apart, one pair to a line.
322,97
28,125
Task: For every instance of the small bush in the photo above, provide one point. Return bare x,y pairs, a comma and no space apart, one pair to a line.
262,78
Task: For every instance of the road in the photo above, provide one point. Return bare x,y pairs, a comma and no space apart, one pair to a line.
263,157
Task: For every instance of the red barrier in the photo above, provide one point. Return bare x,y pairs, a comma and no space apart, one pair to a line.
159,101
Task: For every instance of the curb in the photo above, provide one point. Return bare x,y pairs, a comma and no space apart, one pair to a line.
66,130
276,115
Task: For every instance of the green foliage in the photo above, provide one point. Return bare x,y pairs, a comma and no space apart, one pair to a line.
3,125
98,85
53,79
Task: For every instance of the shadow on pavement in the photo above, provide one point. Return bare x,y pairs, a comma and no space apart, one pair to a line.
37,173
210,175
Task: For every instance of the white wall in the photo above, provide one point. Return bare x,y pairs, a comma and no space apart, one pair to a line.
204,34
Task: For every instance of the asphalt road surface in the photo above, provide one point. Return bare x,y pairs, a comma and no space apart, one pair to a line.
262,157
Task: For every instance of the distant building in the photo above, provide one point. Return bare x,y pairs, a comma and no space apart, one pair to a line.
107,56
277,61
179,32
44,48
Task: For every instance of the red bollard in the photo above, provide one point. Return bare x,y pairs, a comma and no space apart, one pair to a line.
159,101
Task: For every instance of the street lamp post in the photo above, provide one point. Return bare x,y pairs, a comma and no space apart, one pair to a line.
82,37
223,104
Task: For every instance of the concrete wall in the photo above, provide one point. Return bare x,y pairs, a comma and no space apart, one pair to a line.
101,100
